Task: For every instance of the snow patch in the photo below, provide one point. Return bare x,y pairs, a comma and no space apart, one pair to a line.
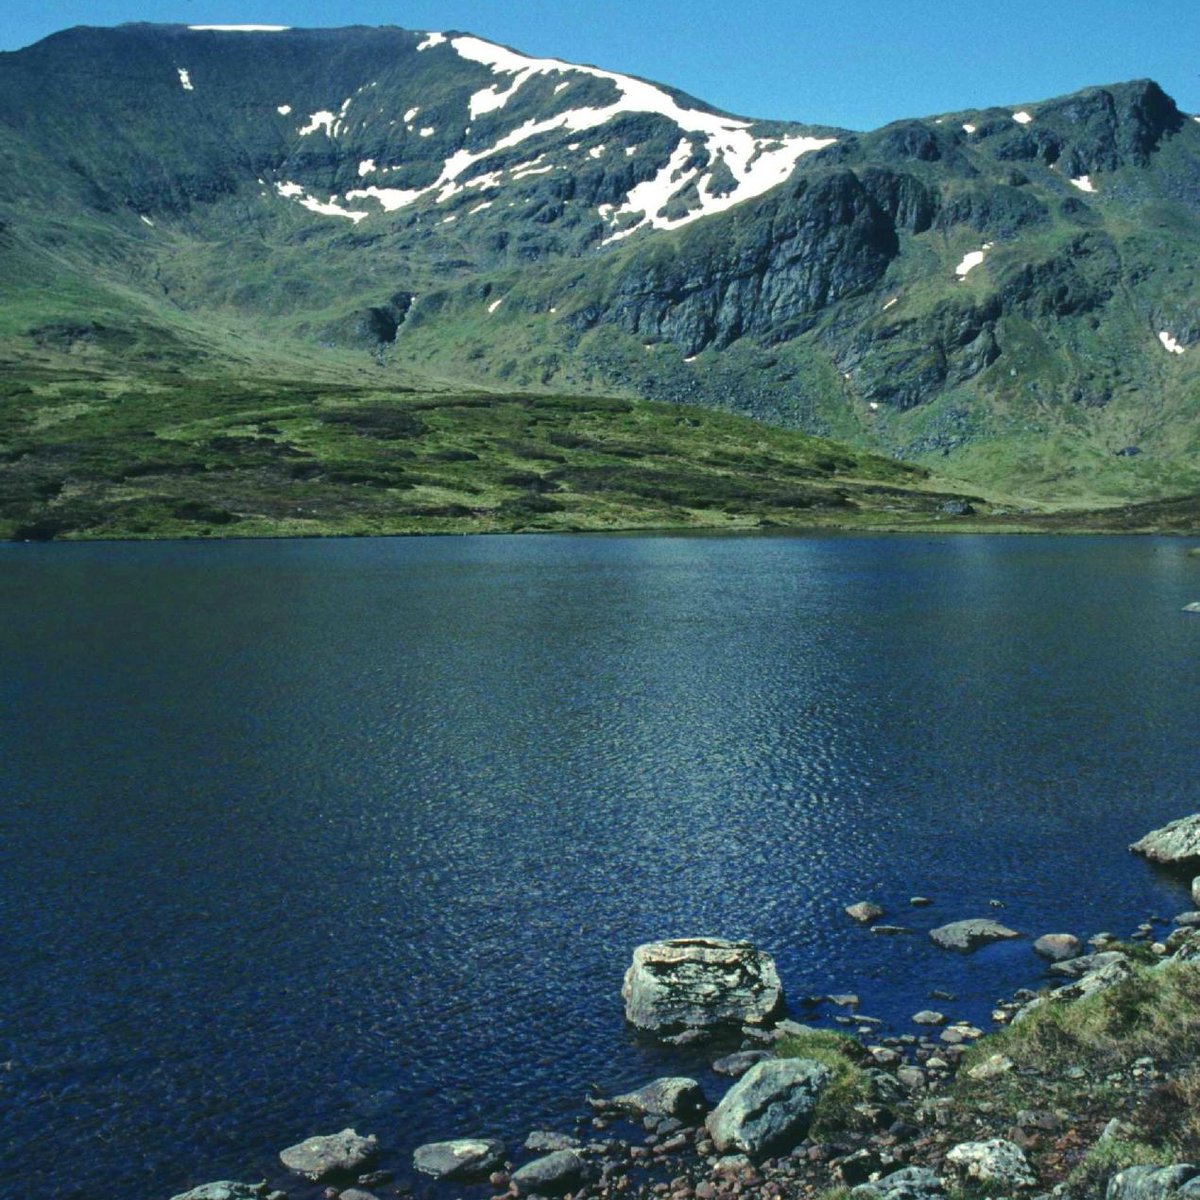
495,304
630,151
427,131
288,190
894,300
412,112
1084,183
480,207
431,40
533,171
185,79
366,167
284,110
1022,117
560,86
1170,345
595,152
450,219
319,120
242,28
969,263
390,199
145,220
331,208
967,128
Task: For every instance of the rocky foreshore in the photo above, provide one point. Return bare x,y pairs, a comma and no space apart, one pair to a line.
947,1109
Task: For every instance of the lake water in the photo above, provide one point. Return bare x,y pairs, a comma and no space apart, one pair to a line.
300,835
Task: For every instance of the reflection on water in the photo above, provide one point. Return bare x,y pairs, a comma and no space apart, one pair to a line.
300,835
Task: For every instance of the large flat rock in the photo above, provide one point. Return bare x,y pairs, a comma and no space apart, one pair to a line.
330,1154
698,983
459,1158
1175,844
970,934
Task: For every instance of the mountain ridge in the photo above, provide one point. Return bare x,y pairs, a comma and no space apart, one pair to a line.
1008,293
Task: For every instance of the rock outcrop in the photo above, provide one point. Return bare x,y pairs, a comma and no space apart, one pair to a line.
1155,1183
1175,844
690,983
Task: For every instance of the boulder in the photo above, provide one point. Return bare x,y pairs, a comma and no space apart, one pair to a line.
863,911
737,1064
459,1158
970,934
1196,891
911,1183
330,1154
700,982
225,1190
1155,1183
992,1067
673,1096
1189,919
769,1108
1177,842
999,1162
1058,947
559,1172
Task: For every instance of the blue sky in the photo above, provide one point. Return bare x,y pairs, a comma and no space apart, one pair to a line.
856,63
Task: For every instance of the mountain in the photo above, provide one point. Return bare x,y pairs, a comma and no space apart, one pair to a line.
1007,295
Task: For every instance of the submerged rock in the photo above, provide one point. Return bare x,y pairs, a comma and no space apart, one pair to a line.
769,1108
673,1096
542,1141
1175,843
970,934
330,1154
700,982
225,1190
1000,1162
459,1158
549,1176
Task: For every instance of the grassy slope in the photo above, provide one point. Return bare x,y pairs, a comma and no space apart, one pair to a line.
89,452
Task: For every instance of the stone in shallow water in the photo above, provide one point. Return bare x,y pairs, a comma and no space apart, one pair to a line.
542,1141
549,1176
1058,947
736,1065
863,911
970,934
672,1096
699,982
329,1154
459,1158
225,1189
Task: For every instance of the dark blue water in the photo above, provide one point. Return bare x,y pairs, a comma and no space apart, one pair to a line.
300,835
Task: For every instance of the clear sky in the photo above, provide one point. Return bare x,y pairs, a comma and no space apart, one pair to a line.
855,63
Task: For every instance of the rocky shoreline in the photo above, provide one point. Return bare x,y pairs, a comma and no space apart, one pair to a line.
816,1113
